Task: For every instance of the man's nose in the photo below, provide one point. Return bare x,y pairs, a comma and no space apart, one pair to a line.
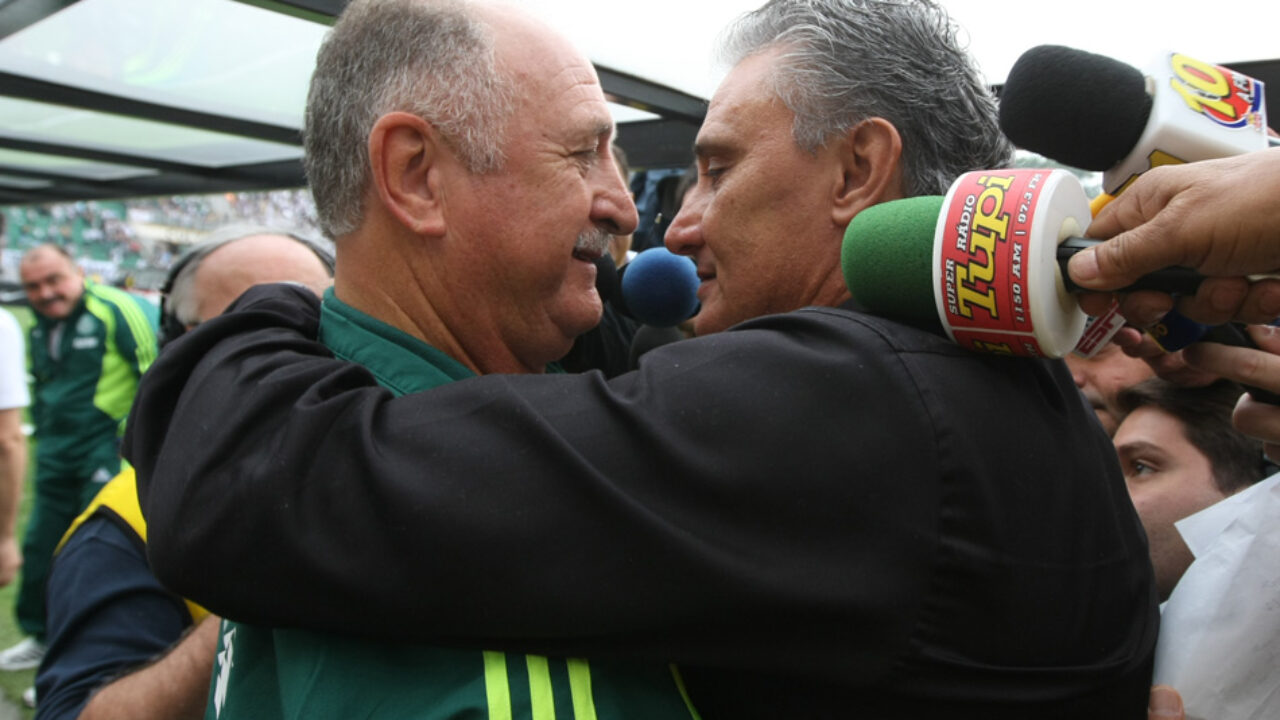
684,235
612,207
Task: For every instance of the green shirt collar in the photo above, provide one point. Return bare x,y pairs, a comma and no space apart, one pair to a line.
400,362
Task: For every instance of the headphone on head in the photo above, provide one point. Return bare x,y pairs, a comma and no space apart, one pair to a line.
171,328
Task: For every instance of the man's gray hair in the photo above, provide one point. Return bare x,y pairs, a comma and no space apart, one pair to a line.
844,61
180,299
432,58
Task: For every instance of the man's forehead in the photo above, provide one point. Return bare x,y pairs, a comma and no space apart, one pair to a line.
735,106
574,113
751,79
1149,427
45,263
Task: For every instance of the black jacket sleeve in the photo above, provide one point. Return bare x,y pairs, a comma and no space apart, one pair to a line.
821,491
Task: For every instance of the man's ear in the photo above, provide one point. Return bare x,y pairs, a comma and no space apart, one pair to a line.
405,153
871,164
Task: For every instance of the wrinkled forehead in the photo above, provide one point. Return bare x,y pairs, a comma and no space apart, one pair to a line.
552,82
529,50
747,101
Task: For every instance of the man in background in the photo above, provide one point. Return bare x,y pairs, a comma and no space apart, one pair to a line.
1102,377
120,645
89,346
14,398
1180,454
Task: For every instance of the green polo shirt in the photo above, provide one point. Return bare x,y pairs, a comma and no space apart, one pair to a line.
275,673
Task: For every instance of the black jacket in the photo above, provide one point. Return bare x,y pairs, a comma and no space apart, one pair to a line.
817,514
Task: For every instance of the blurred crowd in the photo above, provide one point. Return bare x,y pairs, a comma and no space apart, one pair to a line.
131,243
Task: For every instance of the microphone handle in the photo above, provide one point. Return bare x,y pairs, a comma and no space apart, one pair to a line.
1172,280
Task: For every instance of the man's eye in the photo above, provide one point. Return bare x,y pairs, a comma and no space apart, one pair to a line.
713,173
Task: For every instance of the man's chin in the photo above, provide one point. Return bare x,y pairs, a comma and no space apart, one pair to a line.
56,311
711,319
583,317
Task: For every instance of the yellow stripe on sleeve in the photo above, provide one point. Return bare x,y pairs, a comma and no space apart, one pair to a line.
497,690
584,703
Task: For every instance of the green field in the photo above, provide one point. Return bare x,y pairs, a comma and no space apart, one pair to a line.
13,683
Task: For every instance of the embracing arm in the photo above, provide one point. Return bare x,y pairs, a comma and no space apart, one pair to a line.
777,496
529,508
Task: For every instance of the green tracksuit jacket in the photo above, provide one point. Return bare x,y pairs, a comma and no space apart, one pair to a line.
86,368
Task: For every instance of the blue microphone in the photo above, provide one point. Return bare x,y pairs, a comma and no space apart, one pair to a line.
660,288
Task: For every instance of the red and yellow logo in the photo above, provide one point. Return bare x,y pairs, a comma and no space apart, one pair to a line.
1225,97
983,260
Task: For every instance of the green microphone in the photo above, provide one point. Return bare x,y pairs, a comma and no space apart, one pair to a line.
980,265
887,260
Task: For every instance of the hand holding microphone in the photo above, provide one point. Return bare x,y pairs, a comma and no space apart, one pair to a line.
1220,217
986,264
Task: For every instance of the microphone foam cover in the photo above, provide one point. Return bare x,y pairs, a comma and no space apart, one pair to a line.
887,258
660,288
1083,110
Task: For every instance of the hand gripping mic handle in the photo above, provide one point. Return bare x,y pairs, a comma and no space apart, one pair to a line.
1172,280
1175,281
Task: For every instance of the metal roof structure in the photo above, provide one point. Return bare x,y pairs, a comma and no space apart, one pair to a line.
125,98
105,99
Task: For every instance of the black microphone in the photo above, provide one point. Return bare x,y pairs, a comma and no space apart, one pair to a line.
1095,113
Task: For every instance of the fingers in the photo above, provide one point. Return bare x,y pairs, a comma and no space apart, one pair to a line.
1135,223
1134,342
1259,420
1175,368
1171,366
1262,304
1259,368
1145,307
1137,344
1095,304
1165,703
1217,301
1113,264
